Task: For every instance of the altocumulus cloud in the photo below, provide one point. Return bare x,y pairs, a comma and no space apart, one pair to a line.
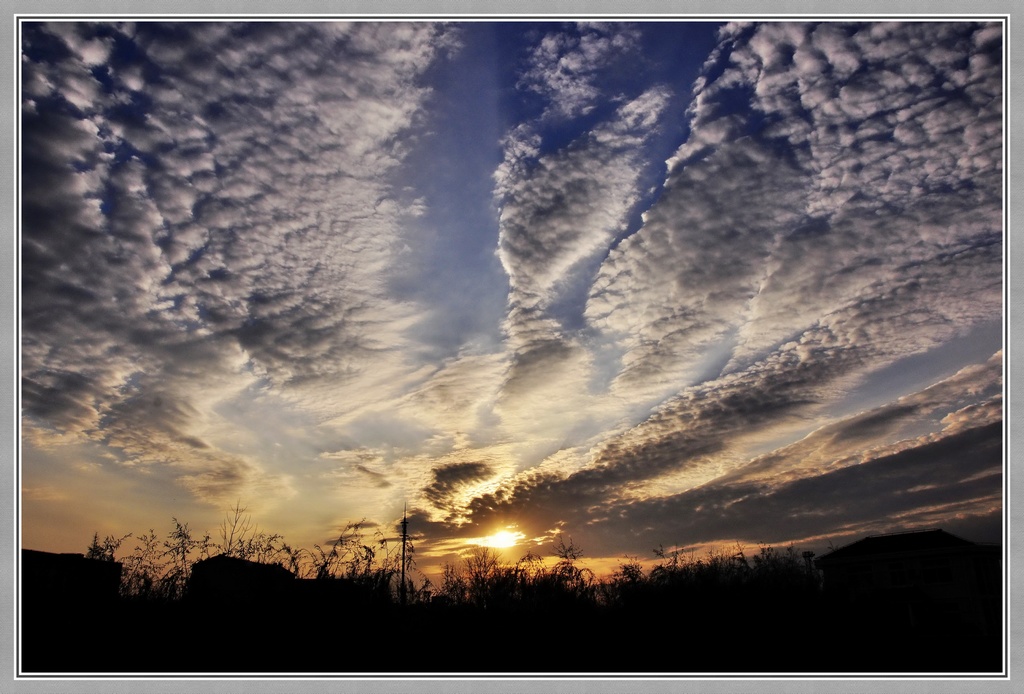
713,270
232,220
835,209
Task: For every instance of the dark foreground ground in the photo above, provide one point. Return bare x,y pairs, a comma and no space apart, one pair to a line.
717,634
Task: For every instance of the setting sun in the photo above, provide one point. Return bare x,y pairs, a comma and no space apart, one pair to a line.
502,538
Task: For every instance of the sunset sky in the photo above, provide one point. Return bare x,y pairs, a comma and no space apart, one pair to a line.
679,283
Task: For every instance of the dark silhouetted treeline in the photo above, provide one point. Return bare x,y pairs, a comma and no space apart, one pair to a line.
249,603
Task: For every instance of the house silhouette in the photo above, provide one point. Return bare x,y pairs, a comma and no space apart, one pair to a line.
921,580
49,579
232,580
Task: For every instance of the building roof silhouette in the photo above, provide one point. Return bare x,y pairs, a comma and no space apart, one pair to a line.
898,543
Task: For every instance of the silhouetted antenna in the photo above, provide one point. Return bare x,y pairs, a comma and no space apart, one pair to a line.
405,536
808,556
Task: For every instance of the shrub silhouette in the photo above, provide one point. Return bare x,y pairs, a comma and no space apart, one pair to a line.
160,568
716,611
483,580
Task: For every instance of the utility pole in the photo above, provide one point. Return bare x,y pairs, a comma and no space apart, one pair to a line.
808,556
405,535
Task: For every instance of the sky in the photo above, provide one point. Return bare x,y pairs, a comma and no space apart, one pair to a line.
678,284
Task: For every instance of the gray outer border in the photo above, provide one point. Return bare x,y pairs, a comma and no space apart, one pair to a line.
10,316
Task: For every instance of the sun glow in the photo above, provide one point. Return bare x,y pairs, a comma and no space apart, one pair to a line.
501,539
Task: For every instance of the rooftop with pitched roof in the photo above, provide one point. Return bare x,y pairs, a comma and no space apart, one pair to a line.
898,543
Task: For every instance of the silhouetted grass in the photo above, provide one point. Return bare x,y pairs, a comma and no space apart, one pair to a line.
340,612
